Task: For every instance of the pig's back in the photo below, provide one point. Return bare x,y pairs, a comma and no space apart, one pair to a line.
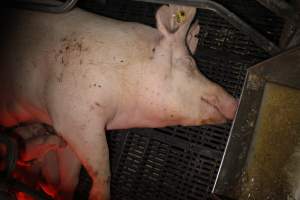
39,47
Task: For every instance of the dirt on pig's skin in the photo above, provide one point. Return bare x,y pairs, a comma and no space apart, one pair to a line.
71,49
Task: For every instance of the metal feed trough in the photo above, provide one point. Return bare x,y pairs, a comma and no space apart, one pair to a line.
265,133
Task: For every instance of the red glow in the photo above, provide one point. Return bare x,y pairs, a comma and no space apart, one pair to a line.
29,173
23,196
48,189
22,175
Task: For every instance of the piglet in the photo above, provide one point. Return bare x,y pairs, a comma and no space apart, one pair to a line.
83,74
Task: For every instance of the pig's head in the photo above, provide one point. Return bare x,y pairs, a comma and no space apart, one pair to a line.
171,89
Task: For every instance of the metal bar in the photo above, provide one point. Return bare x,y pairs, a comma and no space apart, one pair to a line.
52,8
279,7
230,17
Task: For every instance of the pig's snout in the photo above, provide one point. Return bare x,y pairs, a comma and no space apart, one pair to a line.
223,102
229,108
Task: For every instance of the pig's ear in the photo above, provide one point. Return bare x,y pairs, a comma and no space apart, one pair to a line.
192,37
174,20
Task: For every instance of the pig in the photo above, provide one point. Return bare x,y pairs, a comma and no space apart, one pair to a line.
84,74
46,162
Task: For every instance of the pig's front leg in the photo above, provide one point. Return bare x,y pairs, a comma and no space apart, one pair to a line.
79,114
92,151
84,132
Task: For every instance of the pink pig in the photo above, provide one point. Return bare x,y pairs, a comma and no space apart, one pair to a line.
83,74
